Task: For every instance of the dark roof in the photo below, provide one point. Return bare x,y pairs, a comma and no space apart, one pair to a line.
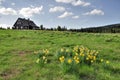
25,22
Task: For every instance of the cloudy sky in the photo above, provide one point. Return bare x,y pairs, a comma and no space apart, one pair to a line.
69,13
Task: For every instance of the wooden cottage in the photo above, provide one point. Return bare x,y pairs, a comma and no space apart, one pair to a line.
23,23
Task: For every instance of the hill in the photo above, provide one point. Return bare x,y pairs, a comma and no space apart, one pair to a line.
114,28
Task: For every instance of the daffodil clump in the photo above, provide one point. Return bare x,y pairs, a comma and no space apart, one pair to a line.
42,56
74,58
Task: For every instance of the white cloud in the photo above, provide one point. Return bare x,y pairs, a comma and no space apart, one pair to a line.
94,12
65,1
75,17
1,1
80,3
13,4
32,6
7,11
65,14
4,25
57,9
75,2
29,12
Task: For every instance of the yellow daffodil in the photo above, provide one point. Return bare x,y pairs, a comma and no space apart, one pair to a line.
87,58
62,50
77,61
44,57
76,54
94,57
80,54
46,51
67,50
101,60
35,52
90,57
83,54
91,53
107,62
69,61
75,57
62,59
91,61
97,52
38,60
45,61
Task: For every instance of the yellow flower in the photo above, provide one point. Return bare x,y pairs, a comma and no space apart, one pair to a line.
107,62
87,58
83,54
75,57
80,54
62,59
91,61
35,52
46,51
91,53
90,57
76,54
69,61
97,52
67,50
94,57
101,60
62,50
45,61
76,49
38,60
77,61
44,57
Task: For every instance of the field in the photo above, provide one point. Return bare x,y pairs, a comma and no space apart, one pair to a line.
18,61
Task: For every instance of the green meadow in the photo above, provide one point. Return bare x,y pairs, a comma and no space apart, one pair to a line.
18,61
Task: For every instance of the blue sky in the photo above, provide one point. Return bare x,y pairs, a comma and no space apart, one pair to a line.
69,13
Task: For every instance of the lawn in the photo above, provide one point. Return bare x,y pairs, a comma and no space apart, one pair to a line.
18,61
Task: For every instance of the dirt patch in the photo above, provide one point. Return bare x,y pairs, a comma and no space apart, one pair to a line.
9,73
21,53
24,52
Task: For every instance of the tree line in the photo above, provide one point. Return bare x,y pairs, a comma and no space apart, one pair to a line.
115,28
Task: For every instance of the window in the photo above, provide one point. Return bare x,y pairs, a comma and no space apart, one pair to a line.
18,22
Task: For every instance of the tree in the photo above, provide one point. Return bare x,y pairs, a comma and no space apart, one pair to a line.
8,27
59,28
41,27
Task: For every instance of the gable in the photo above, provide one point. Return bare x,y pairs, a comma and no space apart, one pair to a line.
24,22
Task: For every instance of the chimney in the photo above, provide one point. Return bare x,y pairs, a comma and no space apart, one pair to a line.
28,19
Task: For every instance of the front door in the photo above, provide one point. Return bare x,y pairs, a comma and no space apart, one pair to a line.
30,27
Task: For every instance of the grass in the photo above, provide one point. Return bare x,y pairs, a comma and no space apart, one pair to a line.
17,58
